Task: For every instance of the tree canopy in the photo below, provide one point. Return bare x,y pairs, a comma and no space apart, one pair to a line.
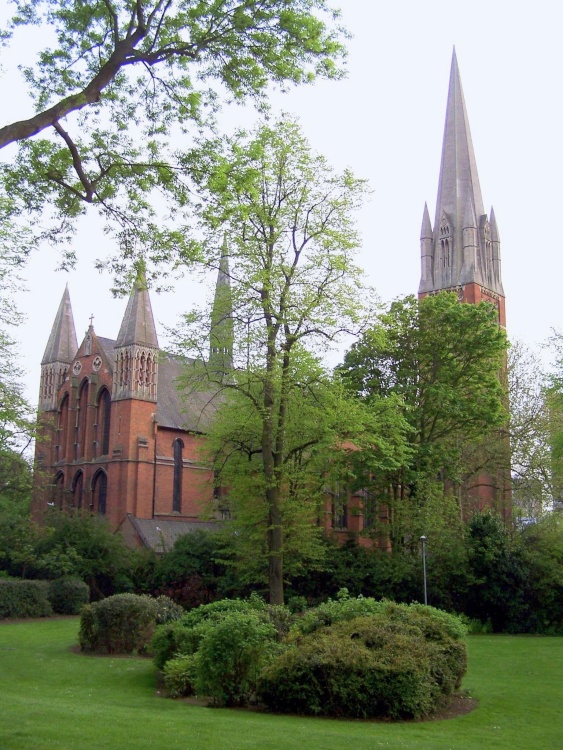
121,76
287,219
443,361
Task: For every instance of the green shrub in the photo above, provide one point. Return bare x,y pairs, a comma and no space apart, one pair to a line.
180,675
230,655
182,637
399,661
68,595
24,599
167,610
120,624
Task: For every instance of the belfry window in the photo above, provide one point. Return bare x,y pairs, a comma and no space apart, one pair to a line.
178,448
445,243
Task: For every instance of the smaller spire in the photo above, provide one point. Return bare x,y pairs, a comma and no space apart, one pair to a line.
495,236
426,230
137,326
62,345
221,338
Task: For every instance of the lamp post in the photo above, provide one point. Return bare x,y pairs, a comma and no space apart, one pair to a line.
423,540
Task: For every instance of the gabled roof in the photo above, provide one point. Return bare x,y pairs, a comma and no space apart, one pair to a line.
160,535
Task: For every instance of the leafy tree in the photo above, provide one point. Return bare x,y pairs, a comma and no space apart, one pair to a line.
497,574
535,420
442,360
287,220
122,75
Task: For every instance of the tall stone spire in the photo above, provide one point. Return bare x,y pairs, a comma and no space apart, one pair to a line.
136,348
59,353
221,337
461,252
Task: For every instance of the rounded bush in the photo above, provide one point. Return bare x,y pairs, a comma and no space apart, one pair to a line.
396,664
68,595
120,624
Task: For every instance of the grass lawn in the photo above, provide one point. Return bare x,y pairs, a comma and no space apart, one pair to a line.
51,697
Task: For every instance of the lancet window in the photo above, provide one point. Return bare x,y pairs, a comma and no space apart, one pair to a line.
178,448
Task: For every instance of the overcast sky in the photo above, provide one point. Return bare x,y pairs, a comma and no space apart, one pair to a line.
385,121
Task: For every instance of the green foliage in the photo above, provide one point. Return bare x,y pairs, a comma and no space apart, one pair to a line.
287,220
184,637
120,624
68,595
180,675
132,73
167,610
396,662
24,599
441,360
497,574
196,570
434,623
542,553
230,656
81,544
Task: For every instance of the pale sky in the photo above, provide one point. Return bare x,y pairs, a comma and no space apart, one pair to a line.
385,121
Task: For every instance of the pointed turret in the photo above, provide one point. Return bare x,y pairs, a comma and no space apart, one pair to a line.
136,348
137,326
221,337
461,252
426,252
59,354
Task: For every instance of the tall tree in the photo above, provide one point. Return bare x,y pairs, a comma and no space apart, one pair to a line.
287,219
442,359
122,75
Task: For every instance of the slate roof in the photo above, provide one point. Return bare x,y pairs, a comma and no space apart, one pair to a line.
190,411
160,535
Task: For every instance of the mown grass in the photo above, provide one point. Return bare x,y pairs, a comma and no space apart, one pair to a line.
51,697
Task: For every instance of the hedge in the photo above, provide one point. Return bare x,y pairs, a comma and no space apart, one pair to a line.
22,598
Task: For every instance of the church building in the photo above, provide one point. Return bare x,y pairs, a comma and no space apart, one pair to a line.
118,438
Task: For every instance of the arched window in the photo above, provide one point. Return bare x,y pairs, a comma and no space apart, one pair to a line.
178,447
58,490
77,490
339,508
99,492
82,419
104,406
63,429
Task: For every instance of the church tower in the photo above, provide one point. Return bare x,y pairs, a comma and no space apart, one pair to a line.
462,252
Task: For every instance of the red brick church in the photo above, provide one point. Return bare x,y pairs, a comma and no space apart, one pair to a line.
116,436
118,439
